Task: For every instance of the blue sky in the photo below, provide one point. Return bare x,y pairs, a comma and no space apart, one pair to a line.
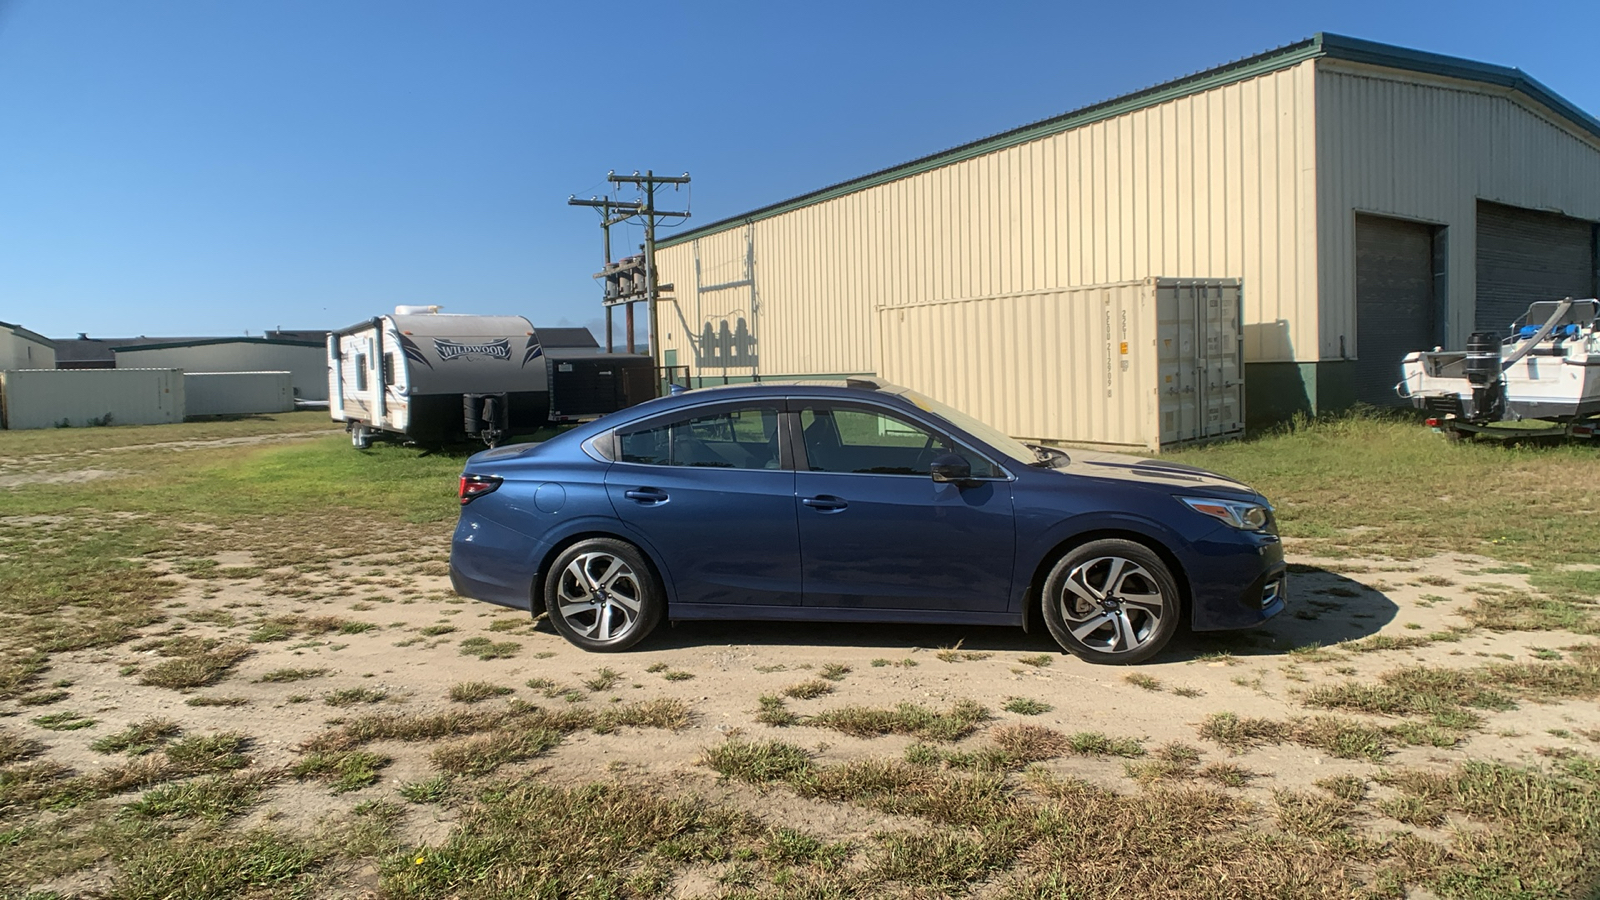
189,167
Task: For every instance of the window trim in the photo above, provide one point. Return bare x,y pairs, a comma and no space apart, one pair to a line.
611,444
802,463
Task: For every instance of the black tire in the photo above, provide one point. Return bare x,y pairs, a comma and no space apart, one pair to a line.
618,575
1136,617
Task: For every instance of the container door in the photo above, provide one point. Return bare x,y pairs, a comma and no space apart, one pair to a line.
1178,381
1217,309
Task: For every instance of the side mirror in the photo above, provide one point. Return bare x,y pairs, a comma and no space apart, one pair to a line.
948,468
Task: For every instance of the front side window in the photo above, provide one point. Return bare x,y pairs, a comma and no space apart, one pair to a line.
872,442
361,371
744,438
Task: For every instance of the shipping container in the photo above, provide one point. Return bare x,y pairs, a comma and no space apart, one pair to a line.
237,393
1143,364
76,398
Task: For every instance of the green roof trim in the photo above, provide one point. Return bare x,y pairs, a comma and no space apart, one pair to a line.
1322,45
208,342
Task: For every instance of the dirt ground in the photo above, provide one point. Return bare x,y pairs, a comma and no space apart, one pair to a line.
413,654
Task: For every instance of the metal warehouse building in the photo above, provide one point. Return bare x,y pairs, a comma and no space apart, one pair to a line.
1363,201
305,361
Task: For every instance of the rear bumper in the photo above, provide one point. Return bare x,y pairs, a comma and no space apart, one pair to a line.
1226,560
492,563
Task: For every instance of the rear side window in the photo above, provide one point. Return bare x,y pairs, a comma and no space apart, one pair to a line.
870,442
744,438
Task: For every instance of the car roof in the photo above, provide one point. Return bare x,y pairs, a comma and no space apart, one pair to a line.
862,387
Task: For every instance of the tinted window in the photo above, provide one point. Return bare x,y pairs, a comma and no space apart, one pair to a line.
729,439
877,443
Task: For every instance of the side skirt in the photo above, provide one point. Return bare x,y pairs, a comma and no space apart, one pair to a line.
685,612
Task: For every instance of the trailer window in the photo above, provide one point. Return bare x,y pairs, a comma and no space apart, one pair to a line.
388,368
361,371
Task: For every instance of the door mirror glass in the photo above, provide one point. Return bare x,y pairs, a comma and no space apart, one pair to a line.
948,467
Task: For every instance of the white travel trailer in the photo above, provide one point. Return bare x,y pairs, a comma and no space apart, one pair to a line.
434,377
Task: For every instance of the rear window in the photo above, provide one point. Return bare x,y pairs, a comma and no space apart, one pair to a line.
745,438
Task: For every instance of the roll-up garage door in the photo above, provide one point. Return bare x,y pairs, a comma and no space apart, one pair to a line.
1525,255
1394,302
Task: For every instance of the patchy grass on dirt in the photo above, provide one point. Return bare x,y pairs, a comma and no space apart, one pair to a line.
255,567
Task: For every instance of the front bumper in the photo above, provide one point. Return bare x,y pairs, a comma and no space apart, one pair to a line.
1227,559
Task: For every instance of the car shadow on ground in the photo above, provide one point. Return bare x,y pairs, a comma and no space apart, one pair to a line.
1324,608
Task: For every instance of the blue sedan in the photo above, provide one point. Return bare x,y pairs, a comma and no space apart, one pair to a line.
856,502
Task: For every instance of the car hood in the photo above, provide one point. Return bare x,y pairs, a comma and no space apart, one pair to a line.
1154,472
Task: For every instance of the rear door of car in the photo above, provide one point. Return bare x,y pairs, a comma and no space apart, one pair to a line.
876,532
712,490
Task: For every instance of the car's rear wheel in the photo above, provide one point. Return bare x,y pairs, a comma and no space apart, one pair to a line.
1111,601
602,595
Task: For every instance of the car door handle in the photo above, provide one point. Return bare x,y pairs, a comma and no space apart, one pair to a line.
646,495
825,503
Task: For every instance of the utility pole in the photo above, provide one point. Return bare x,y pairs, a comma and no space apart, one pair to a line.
620,286
608,209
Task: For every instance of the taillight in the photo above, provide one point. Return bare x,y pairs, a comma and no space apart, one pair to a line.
474,486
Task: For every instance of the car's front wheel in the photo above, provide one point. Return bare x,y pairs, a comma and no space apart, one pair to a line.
1111,601
602,595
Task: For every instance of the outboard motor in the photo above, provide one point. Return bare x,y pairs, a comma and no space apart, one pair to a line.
1483,370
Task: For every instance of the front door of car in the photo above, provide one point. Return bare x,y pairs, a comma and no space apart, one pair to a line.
712,491
876,532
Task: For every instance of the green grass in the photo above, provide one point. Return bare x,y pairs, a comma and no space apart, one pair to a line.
809,689
345,770
1351,484
285,676
1024,706
1093,743
63,721
486,649
604,679
216,798
354,696
973,811
906,718
139,738
477,691
773,712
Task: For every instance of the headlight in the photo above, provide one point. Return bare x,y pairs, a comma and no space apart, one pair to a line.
1239,514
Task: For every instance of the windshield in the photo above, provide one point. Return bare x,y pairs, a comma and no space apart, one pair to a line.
990,435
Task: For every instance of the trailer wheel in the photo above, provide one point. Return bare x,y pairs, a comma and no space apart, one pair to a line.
360,436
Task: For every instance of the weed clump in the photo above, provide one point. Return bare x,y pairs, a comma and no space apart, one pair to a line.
906,718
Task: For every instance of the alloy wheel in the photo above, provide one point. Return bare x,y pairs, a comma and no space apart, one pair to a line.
1111,604
599,596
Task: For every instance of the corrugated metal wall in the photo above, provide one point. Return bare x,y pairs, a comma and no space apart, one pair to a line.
18,352
1428,149
1137,364
44,398
307,365
1220,184
237,393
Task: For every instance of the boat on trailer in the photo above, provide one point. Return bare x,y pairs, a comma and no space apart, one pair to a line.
1547,371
